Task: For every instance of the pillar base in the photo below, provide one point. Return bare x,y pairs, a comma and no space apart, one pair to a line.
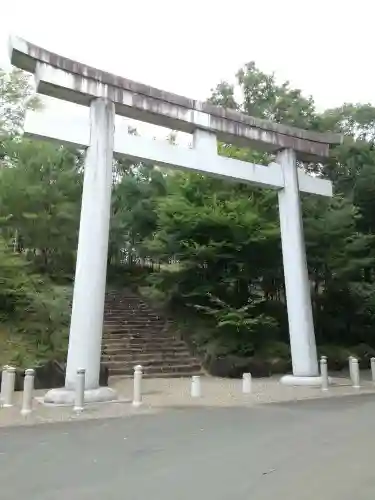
314,381
65,397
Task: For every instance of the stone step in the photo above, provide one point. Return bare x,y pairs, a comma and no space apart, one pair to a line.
136,352
147,358
128,326
116,304
123,348
150,345
141,336
141,333
187,375
120,306
142,341
162,364
134,333
128,329
131,316
119,309
144,347
176,370
136,319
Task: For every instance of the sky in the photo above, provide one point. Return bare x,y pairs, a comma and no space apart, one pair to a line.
324,48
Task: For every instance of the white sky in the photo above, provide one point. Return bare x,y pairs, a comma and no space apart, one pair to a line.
323,47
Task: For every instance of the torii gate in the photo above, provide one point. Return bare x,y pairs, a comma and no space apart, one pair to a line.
107,94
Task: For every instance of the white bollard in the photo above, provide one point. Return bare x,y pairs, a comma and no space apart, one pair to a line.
372,362
28,389
4,379
351,368
355,373
9,387
137,388
246,383
79,399
196,386
324,372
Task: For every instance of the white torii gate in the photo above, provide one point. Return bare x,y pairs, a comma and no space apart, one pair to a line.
108,94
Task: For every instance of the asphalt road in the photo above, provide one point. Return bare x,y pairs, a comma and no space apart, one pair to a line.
295,451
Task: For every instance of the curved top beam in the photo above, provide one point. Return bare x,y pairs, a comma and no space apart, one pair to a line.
66,79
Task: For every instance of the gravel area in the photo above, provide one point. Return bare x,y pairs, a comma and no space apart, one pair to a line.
161,394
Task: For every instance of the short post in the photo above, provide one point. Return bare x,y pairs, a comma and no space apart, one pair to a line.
4,379
137,387
324,373
79,398
351,368
355,373
196,386
9,387
246,383
28,389
372,361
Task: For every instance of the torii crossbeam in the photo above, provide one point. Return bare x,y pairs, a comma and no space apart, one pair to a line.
106,95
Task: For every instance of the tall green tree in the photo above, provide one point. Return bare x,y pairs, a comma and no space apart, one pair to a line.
16,95
40,203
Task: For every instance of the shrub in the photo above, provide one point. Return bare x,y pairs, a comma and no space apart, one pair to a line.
35,308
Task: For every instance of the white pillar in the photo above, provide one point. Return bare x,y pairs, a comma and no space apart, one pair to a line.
137,386
355,373
79,399
9,387
351,368
4,380
297,287
91,267
324,373
372,364
246,383
195,391
28,389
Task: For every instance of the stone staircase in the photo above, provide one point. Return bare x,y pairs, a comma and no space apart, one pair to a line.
135,334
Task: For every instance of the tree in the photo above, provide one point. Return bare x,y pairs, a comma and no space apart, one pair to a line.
133,217
224,238
16,95
40,203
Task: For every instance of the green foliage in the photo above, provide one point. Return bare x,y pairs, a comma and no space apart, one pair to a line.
37,309
133,212
219,240
244,327
40,203
16,95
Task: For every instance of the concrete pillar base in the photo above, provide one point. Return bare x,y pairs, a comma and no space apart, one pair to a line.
301,381
64,396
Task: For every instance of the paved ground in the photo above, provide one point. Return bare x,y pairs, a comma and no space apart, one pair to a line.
286,451
159,394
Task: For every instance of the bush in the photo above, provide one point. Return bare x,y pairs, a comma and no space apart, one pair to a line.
337,356
235,366
363,353
51,375
275,349
35,309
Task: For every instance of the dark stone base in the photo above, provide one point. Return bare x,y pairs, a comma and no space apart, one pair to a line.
52,375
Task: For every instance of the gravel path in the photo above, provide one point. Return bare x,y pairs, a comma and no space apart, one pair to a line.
161,394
